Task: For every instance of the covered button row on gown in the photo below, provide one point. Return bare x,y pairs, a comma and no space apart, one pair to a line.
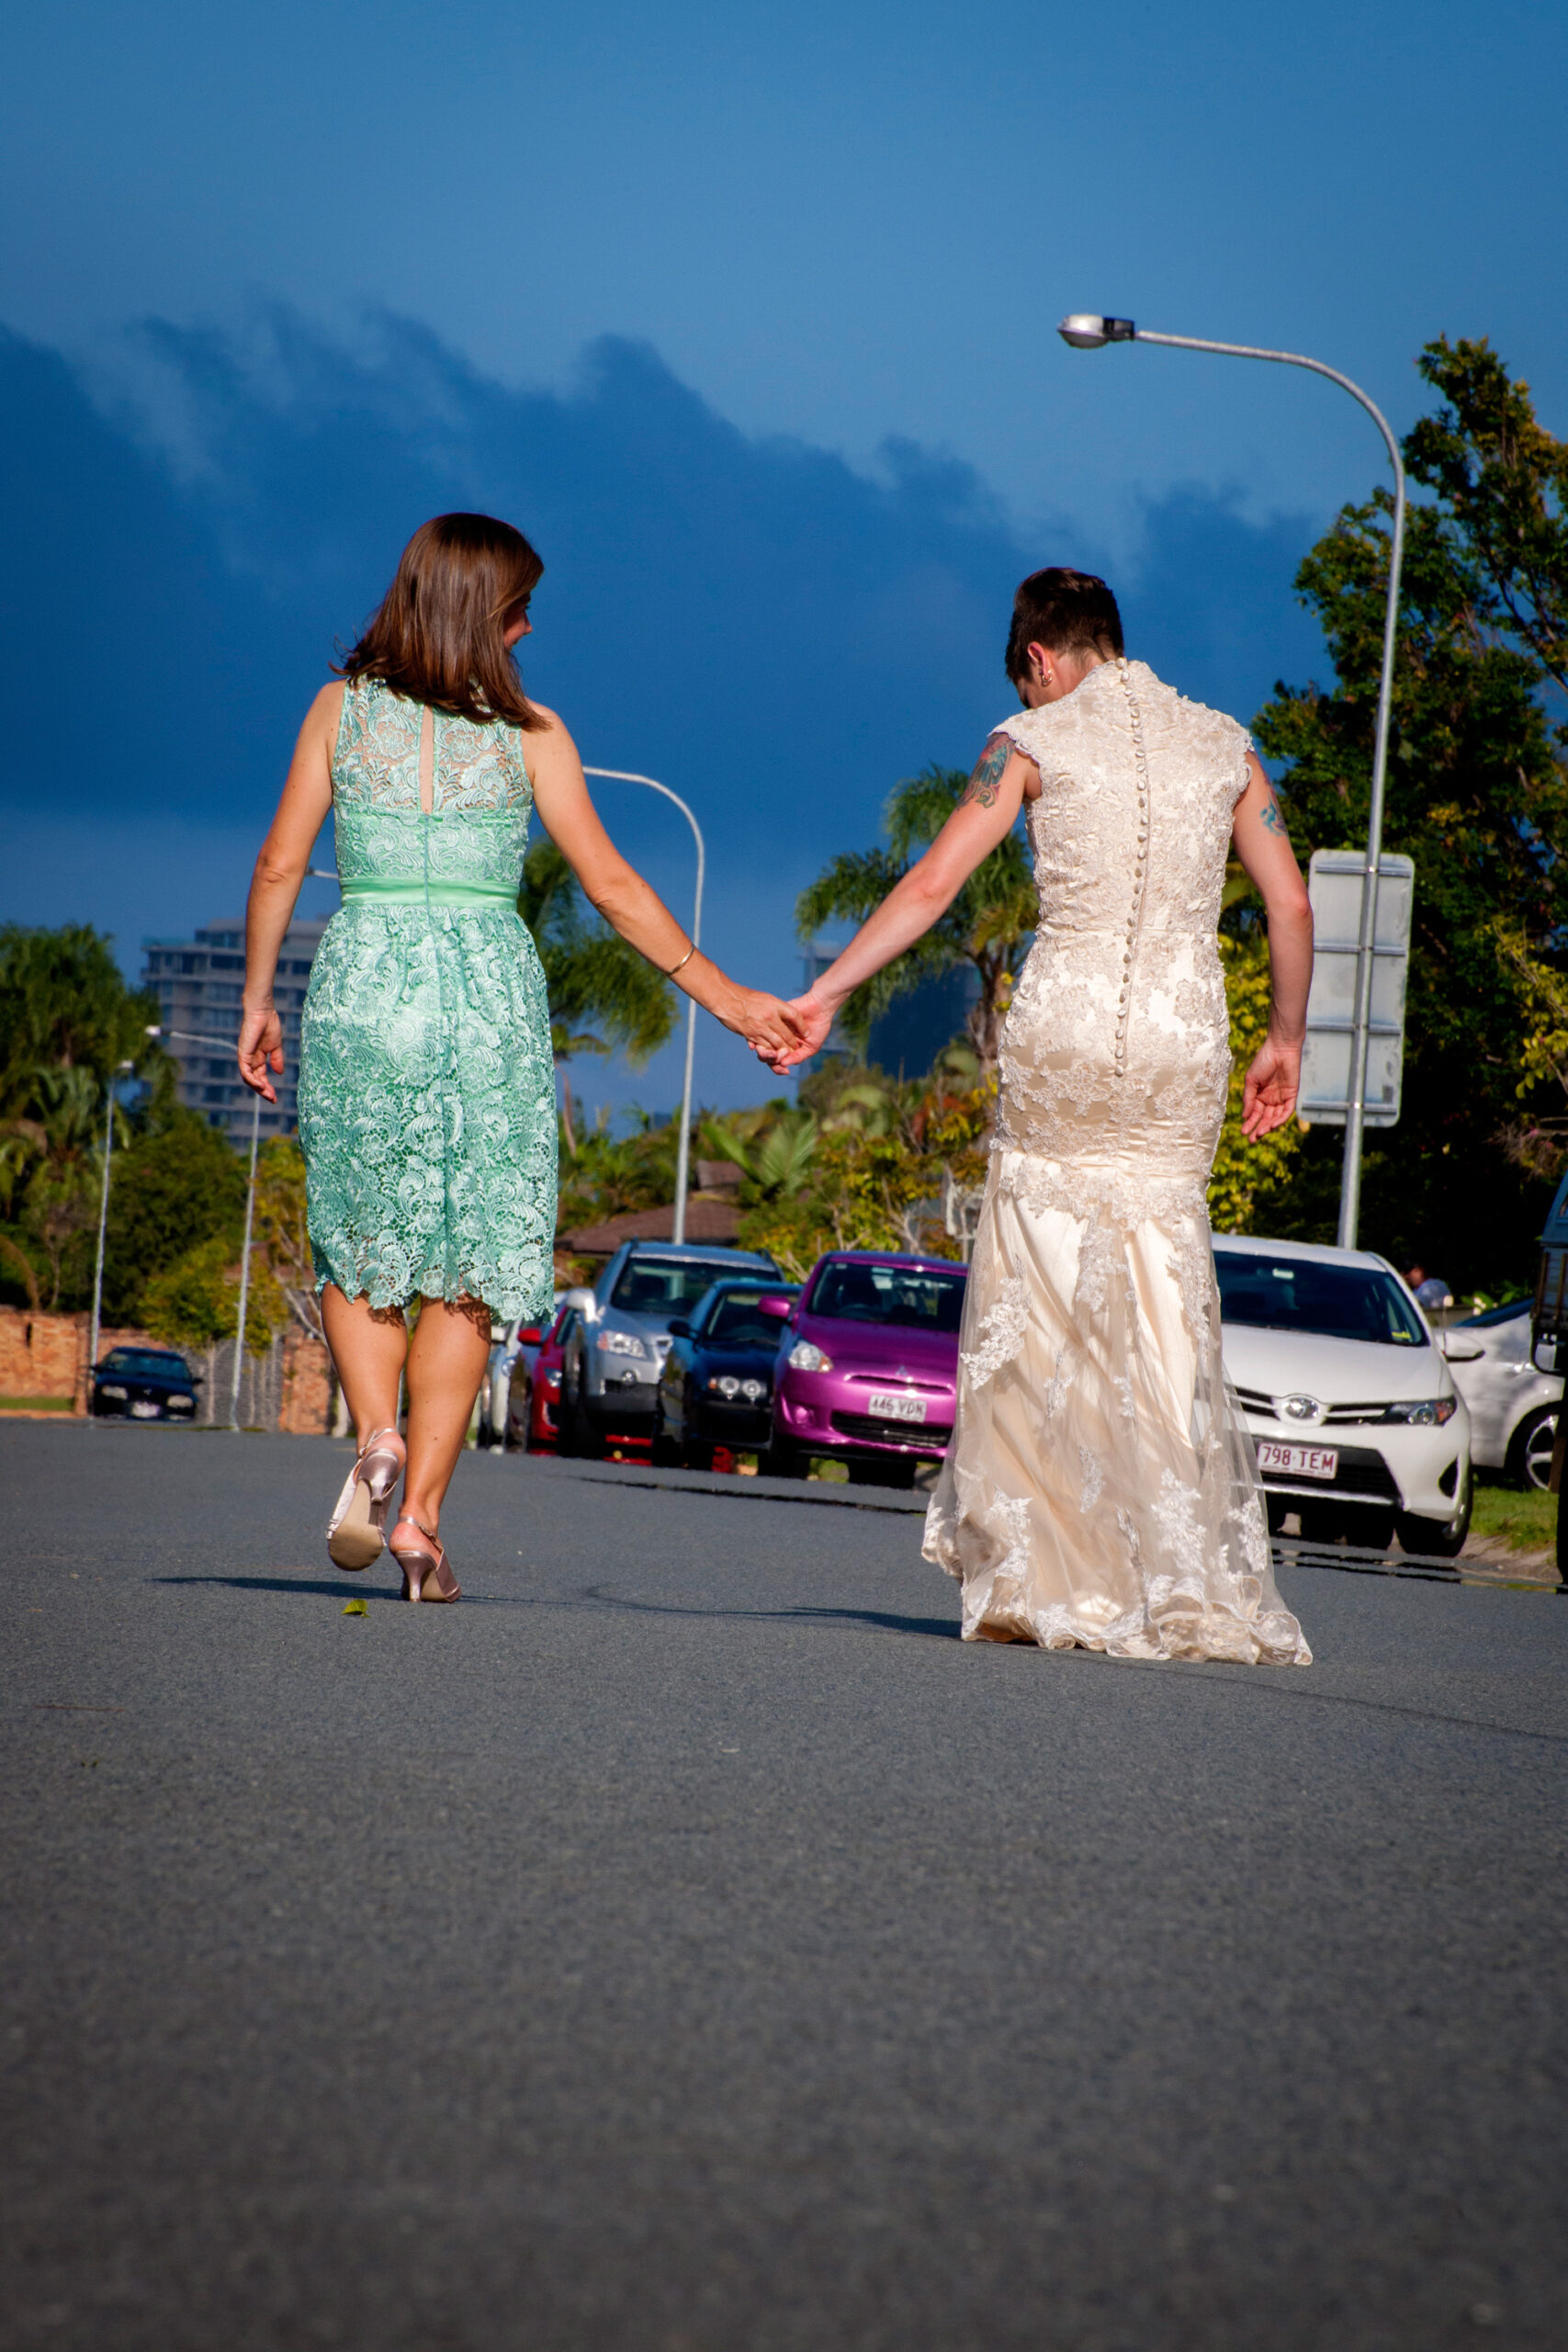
1140,877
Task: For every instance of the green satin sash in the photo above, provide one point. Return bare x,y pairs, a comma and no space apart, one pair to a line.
375,890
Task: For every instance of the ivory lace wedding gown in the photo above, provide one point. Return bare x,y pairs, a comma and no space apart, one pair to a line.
1100,1488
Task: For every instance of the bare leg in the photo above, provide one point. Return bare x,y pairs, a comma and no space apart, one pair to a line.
446,1360
369,1345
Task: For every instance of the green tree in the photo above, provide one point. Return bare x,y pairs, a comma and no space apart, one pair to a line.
1477,795
604,997
179,1184
63,1001
985,927
1249,1179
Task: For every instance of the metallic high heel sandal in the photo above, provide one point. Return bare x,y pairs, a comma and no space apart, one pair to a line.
427,1572
356,1530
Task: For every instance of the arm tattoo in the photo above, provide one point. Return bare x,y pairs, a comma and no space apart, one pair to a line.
1273,817
982,786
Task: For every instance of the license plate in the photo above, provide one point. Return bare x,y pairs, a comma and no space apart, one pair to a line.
143,1411
895,1408
1297,1461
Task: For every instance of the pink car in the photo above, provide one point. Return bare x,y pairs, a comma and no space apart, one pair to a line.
867,1368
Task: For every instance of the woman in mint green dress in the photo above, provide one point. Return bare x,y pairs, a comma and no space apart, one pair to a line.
426,1092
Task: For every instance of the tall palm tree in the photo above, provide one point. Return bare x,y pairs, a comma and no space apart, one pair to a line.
604,997
985,927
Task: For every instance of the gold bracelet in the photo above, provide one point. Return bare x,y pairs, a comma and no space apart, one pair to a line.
684,962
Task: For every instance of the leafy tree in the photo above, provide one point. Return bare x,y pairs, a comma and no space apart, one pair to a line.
58,1153
179,1185
985,926
63,1001
1248,1178
604,997
282,1254
1477,795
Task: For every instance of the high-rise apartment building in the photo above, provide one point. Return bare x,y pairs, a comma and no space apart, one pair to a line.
199,984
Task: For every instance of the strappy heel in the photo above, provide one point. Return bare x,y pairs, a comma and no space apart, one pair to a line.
357,1531
427,1572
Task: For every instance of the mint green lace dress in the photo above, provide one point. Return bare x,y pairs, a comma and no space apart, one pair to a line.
427,1112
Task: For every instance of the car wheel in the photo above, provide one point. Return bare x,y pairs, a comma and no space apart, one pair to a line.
782,1460
1529,1455
666,1454
1440,1539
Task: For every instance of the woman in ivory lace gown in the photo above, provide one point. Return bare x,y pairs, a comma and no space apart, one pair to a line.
1099,1489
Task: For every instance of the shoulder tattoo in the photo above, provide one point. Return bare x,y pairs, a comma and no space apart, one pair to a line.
982,787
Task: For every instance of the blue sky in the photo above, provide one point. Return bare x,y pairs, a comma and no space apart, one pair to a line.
747,316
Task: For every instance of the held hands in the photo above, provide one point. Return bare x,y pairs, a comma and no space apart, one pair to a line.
768,1025
812,1021
1268,1092
261,1048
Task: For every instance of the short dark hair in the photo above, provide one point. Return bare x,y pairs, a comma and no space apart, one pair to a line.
1068,612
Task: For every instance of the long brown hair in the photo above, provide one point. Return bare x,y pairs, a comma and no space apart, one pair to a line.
438,634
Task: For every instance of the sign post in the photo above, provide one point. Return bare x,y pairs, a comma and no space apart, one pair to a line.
1328,1059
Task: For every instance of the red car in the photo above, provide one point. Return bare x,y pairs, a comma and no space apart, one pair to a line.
533,1411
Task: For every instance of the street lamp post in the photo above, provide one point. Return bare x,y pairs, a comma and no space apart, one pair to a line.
226,1044
119,1071
682,1149
1087,331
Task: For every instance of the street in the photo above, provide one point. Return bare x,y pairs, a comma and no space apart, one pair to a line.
686,1945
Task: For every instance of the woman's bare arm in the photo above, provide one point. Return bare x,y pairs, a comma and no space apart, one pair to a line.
986,811
631,905
275,886
1263,845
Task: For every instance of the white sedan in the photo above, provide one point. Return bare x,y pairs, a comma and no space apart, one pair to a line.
1359,1427
1513,1404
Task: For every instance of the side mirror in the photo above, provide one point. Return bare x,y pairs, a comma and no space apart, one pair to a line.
584,1303
678,1328
778,1309
1458,1348
529,1336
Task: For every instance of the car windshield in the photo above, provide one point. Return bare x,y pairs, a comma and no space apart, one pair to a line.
737,1319
911,1298
663,1285
143,1360
1304,1294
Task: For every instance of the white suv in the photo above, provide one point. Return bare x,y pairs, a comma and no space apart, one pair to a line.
1358,1426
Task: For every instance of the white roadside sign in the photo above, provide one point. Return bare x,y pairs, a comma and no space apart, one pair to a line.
1335,888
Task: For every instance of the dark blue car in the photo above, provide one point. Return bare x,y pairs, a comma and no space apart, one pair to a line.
144,1385
717,1387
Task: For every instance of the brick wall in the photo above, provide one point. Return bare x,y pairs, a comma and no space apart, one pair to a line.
307,1407
45,1355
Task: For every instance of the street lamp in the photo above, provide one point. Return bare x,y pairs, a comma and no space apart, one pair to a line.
1087,331
682,1149
226,1044
119,1071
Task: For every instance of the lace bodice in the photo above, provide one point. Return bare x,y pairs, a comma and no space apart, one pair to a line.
1131,828
1118,1038
476,828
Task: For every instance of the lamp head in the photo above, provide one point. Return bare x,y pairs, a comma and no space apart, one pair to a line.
1085,331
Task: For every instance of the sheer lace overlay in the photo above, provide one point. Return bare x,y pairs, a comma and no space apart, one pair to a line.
1100,1488
426,1084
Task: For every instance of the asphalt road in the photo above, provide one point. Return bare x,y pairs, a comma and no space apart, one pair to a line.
686,1945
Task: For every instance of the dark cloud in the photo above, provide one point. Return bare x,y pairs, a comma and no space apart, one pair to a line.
777,634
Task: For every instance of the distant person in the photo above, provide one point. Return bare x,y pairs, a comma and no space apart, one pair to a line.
1430,1290
426,1092
1100,1489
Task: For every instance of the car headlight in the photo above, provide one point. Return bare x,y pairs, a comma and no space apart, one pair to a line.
807,1356
724,1383
113,1392
1426,1412
620,1343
